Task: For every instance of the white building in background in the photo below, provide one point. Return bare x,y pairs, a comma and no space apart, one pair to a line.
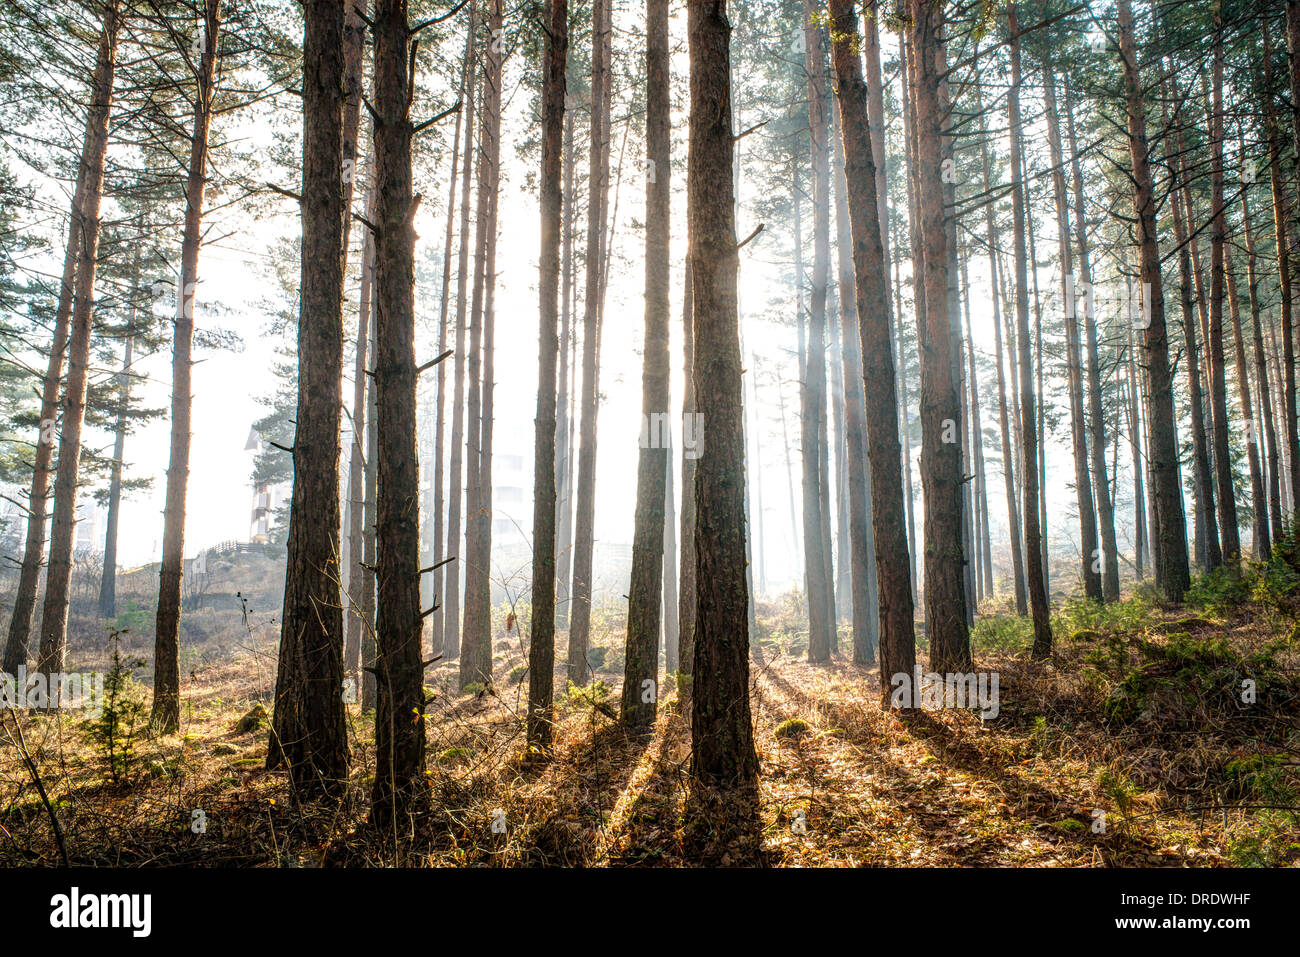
512,499
267,497
89,534
13,524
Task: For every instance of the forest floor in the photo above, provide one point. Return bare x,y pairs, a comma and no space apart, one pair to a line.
1133,747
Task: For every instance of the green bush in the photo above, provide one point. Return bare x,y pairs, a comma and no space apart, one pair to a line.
1186,677
1002,632
141,619
1276,584
115,731
1218,591
1262,778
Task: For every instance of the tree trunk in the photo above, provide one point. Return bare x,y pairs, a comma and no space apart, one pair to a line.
108,581
399,786
541,645
941,466
1092,556
1293,58
476,650
918,302
1096,417
686,576
971,532
354,50
1259,529
598,189
1135,441
903,425
984,544
564,400
861,543
356,621
671,609
842,583
759,538
897,646
1281,226
456,491
1279,401
91,163
85,222
308,733
436,588
354,44
1274,507
821,607
1206,543
1218,388
1172,572
167,651
368,544
953,301
722,740
645,597
1040,402
1008,453
1035,579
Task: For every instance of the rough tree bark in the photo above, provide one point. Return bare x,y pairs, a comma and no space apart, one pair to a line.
645,598
476,650
821,611
167,650
1096,416
361,422
722,740
108,580
368,543
1004,418
598,190
1171,554
1091,553
1281,227
308,733
984,543
1035,581
1259,529
686,575
1227,499
399,786
94,144
941,466
541,645
672,602
861,544
564,398
85,221
1206,542
1137,434
1261,378
897,651
456,491
439,531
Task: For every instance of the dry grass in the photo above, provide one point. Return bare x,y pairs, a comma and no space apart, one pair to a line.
843,783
